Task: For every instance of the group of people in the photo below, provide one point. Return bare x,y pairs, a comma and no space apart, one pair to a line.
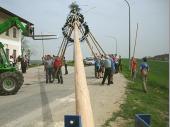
144,69
106,66
52,67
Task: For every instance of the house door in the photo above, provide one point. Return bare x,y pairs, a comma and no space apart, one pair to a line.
14,55
7,53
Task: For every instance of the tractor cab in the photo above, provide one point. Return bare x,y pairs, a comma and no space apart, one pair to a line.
4,62
10,79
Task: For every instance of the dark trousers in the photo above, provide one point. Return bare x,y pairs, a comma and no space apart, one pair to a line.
49,72
107,74
23,67
66,71
58,75
120,67
116,68
95,71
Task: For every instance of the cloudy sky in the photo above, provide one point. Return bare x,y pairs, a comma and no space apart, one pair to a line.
105,18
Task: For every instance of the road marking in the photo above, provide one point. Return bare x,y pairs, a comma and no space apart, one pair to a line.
26,119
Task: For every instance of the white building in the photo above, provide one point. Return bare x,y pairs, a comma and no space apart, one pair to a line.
12,37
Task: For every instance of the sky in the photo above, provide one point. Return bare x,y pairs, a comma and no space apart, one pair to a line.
105,18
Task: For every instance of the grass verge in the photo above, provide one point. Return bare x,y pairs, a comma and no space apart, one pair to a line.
155,102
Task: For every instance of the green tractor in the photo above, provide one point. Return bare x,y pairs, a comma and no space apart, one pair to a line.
10,78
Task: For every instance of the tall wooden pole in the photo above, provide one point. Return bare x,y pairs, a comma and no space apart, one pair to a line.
83,105
135,40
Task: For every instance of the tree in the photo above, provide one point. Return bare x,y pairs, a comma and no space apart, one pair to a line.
25,48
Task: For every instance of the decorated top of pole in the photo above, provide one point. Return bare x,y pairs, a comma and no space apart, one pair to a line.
74,7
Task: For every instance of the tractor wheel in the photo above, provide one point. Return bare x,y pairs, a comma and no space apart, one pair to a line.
10,82
20,77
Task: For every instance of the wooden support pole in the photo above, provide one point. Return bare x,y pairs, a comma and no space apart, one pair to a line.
94,40
83,105
88,43
135,40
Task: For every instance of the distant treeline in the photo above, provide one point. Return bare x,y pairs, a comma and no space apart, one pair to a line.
163,57
39,62
35,62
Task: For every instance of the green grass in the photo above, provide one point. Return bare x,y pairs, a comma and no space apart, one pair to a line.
70,63
34,65
155,102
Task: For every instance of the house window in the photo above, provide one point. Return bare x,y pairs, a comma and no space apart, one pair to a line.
7,53
7,33
14,32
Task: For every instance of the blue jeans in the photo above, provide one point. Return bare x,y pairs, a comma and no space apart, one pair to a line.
49,72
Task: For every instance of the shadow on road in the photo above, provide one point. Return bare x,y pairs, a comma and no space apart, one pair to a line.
90,77
46,111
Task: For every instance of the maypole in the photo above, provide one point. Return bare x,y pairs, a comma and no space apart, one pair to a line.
75,25
83,105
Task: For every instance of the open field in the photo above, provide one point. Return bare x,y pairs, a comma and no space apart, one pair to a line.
155,102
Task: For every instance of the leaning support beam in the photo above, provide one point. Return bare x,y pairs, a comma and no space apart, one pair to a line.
63,41
81,29
92,37
83,105
64,49
88,43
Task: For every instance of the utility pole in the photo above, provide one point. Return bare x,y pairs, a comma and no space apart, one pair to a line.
115,41
129,32
83,105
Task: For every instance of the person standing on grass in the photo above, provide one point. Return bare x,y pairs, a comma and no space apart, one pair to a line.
144,68
133,68
65,65
120,64
49,69
107,73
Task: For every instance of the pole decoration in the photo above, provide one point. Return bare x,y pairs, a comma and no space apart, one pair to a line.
74,15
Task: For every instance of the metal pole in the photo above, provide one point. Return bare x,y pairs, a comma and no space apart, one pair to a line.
129,31
83,105
115,41
116,46
42,44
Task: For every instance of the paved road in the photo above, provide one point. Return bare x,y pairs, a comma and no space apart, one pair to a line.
36,101
38,104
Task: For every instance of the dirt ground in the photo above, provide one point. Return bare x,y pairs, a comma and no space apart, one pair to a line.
106,99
